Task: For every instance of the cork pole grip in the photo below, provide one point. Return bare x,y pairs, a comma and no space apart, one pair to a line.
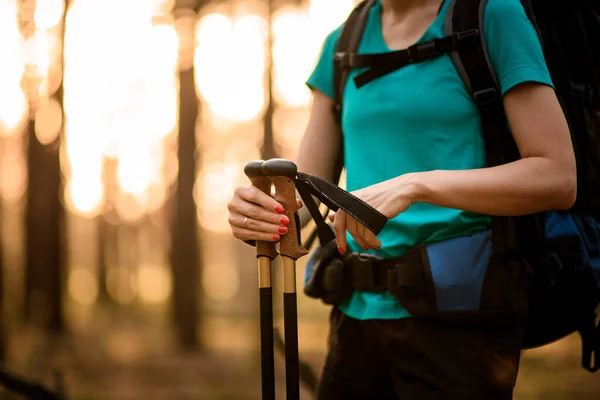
281,173
254,173
285,194
264,248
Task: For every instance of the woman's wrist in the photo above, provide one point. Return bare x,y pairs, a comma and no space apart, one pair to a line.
411,188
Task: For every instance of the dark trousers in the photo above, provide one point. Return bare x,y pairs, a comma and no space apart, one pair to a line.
420,358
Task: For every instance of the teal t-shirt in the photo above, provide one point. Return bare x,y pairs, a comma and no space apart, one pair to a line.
422,118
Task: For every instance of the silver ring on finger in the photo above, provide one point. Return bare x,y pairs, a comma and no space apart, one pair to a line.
246,222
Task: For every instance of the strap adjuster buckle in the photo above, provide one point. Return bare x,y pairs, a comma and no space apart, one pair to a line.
487,99
466,38
363,272
423,51
343,60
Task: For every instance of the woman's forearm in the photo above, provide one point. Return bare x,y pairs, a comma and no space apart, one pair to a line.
526,186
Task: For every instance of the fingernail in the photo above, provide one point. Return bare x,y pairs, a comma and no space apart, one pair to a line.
279,209
284,221
342,251
275,237
365,248
282,229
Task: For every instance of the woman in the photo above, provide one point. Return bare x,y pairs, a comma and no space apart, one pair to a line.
414,150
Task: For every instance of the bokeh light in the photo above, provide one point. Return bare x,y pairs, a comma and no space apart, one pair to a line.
121,285
83,286
220,282
13,172
230,71
154,283
13,103
121,102
48,13
48,121
213,190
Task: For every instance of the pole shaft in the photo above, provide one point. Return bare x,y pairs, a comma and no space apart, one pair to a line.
290,319
266,343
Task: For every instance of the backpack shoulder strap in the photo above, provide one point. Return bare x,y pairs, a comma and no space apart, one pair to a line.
476,71
348,42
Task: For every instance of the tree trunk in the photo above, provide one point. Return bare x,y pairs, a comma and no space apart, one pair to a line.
44,228
44,218
268,149
185,258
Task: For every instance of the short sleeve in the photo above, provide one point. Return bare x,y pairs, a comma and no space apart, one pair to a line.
513,44
322,76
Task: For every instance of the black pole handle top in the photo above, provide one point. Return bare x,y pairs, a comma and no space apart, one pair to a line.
280,167
253,169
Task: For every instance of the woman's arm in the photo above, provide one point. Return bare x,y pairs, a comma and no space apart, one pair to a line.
544,179
321,144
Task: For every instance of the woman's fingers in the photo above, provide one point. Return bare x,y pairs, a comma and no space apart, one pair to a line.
339,227
363,236
242,207
254,215
247,228
246,234
256,225
252,194
353,228
371,240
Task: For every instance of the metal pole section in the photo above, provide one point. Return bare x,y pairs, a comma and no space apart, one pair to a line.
265,252
282,172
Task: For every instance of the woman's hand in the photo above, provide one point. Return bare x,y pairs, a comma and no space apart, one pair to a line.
390,198
254,215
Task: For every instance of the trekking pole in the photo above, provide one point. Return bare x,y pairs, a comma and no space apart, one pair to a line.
282,173
30,390
265,252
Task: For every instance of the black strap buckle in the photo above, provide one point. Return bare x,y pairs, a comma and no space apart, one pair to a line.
466,38
343,60
363,272
487,99
423,51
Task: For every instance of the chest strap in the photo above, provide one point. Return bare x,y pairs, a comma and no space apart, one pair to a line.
381,64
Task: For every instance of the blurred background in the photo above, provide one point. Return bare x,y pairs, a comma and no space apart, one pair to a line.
124,128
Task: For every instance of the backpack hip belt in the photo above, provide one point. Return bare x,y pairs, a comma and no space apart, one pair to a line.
372,273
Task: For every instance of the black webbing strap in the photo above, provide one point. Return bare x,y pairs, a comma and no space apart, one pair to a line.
336,198
473,66
372,273
324,233
383,63
417,52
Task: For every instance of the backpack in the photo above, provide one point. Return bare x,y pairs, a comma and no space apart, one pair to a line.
561,247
